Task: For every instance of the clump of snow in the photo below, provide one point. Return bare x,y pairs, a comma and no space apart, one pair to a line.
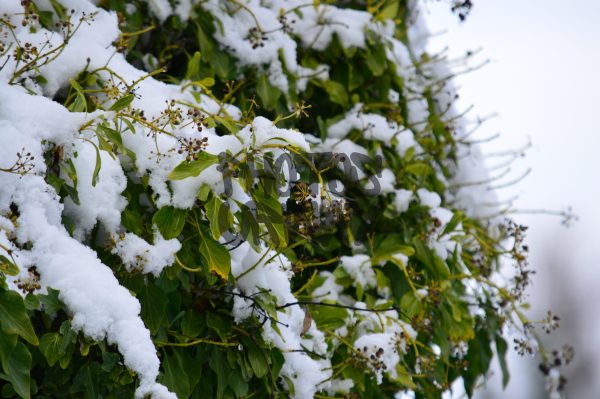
102,201
137,254
402,199
373,127
257,272
380,351
360,269
99,305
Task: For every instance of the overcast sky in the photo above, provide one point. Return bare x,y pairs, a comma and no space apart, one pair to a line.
544,82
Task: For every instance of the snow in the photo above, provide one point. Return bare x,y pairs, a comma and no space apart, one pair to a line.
99,305
402,200
102,202
373,127
271,272
138,254
382,348
359,268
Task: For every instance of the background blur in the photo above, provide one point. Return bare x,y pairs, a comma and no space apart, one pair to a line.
543,80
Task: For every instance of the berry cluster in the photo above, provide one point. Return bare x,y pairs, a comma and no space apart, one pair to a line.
192,147
31,283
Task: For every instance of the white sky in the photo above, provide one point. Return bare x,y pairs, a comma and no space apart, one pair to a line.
544,82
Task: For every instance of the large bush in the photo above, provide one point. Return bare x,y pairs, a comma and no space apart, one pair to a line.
219,199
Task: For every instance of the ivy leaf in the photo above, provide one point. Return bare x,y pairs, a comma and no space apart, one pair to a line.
386,246
457,217
7,344
337,92
192,324
433,263
258,362
154,306
329,317
410,304
270,213
237,383
377,59
14,318
218,364
80,103
219,216
250,228
17,369
7,267
50,346
180,374
193,168
419,169
501,348
170,221
97,166
390,11
268,93
122,102
404,377
193,67
215,254
216,323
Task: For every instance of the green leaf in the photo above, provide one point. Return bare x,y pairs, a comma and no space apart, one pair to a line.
194,168
419,169
270,213
219,216
193,67
337,92
388,245
7,267
457,217
268,93
50,346
258,362
377,59
17,370
80,103
404,377
216,255
432,262
228,123
7,344
410,304
97,166
501,348
14,318
250,228
51,302
181,375
116,139
192,324
329,317
170,221
389,11
237,383
122,102
154,306
218,364
216,323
